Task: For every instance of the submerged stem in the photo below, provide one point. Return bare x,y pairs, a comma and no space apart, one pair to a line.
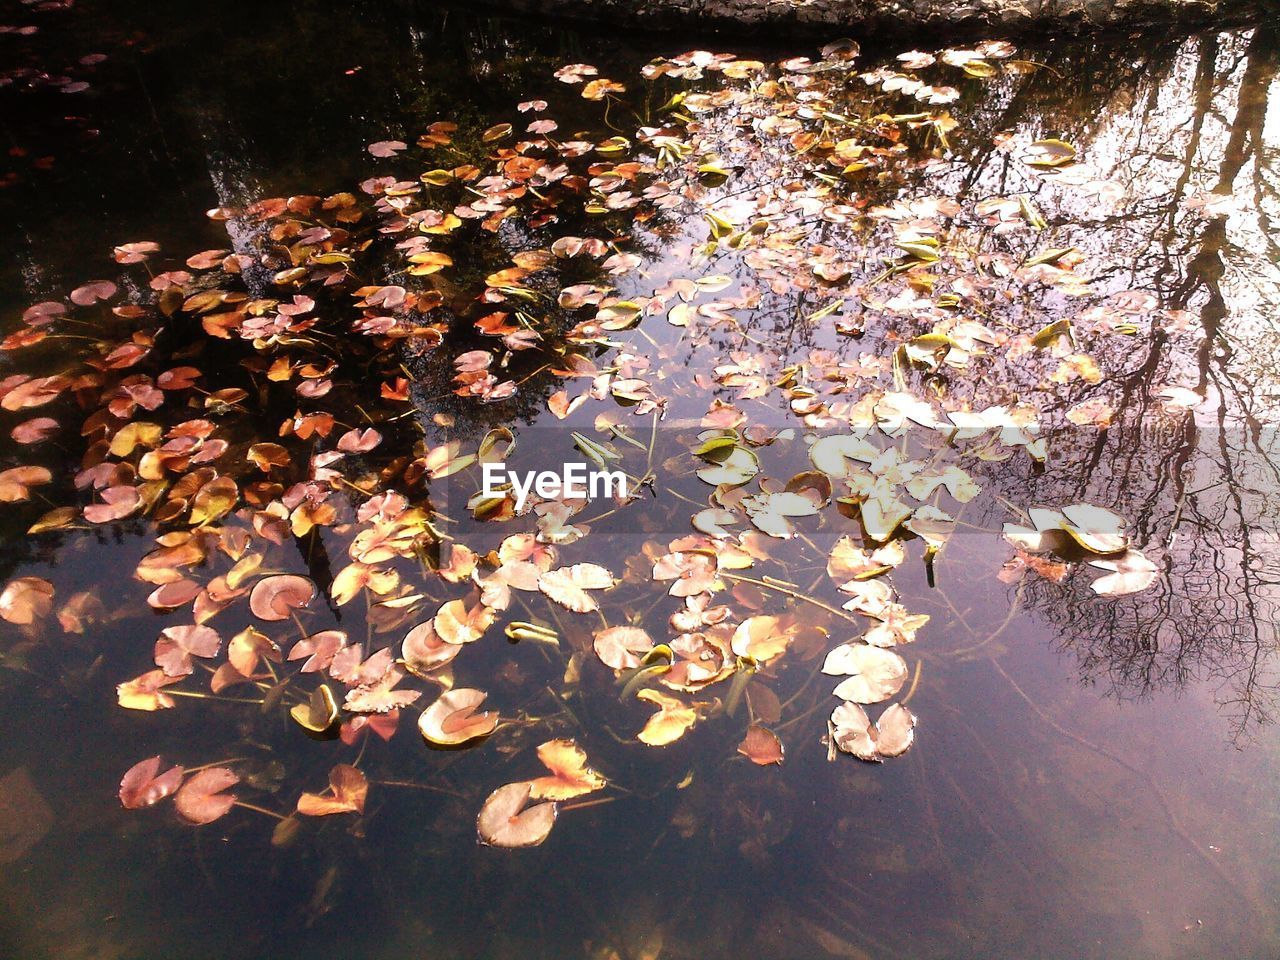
794,594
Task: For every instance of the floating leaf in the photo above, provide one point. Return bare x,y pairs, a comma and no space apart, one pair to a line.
117,503
276,597
1130,573
848,561
853,732
348,788
762,638
874,674
620,648
177,645
452,720
93,292
831,455
380,696
319,715
386,148
568,586
16,482
570,776
457,624
423,650
735,469
1094,528
214,501
621,315
1050,153
26,600
146,692
145,786
670,723
506,821
202,798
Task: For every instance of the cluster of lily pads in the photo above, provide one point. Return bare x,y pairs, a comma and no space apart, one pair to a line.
355,328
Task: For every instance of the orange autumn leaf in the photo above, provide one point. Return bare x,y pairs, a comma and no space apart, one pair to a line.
146,692
25,600
454,623
570,776
670,723
348,788
202,799
16,482
761,746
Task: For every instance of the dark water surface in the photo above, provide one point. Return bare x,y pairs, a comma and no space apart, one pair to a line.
1092,778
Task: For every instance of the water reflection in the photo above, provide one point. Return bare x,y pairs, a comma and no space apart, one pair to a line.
1038,816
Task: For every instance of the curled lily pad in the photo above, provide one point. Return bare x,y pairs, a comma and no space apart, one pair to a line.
495,446
347,791
735,468
276,597
1095,529
319,715
452,720
1050,153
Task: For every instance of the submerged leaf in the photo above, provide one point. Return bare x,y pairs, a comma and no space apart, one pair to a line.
761,746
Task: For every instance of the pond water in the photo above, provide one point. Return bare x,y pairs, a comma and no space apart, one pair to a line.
1011,279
